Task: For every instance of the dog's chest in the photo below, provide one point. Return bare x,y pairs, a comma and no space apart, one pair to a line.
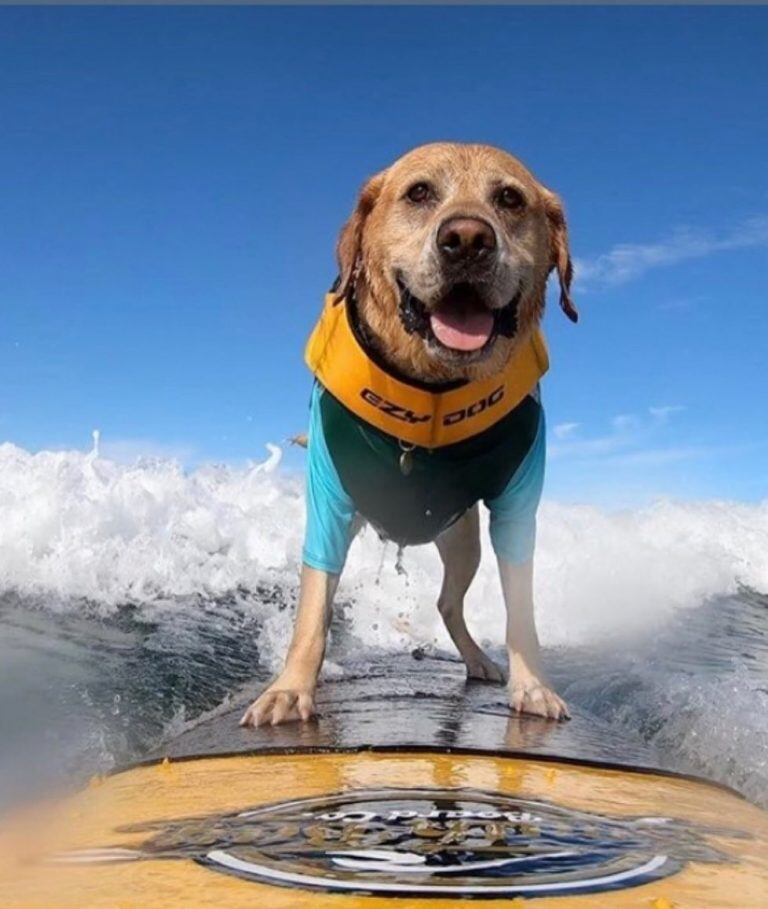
411,495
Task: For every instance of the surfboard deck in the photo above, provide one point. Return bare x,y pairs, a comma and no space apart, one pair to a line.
410,789
404,702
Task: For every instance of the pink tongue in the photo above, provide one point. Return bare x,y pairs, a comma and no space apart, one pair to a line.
468,331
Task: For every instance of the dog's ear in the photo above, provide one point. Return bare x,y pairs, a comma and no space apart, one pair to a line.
560,253
349,245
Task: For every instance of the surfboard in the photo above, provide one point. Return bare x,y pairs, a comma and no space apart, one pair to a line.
411,788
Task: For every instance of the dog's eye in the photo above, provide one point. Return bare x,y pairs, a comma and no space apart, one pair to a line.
510,198
420,193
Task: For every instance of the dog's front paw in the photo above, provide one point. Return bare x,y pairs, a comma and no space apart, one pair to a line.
531,695
280,704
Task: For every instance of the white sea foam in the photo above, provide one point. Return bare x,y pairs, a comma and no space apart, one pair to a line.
79,527
82,527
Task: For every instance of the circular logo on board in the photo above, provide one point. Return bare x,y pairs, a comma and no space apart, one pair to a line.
425,842
442,843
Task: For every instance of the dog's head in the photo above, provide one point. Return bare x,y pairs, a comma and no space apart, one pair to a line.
448,253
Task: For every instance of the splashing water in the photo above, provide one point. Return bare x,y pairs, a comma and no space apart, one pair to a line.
135,597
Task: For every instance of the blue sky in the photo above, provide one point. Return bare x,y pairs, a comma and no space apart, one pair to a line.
173,180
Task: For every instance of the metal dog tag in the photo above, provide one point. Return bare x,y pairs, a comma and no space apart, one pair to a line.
406,462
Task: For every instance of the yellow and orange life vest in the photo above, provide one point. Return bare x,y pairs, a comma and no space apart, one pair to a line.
414,413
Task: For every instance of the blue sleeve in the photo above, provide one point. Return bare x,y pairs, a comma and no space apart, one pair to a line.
513,513
330,510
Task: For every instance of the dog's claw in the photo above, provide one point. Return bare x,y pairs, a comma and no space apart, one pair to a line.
537,699
280,705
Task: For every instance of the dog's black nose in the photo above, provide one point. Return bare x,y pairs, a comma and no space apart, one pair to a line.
466,240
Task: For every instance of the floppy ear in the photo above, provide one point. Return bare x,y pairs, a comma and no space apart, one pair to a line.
560,253
349,245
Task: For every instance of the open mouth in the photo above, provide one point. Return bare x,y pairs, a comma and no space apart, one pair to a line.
460,321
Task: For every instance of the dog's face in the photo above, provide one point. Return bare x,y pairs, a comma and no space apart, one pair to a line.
448,252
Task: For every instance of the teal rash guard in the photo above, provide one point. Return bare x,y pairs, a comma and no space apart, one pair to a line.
355,468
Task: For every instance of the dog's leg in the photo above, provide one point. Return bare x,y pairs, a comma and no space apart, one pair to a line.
291,696
459,549
529,691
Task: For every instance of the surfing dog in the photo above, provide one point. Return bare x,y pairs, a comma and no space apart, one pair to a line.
427,359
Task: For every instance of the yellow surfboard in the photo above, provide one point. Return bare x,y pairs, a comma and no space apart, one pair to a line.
373,829
304,816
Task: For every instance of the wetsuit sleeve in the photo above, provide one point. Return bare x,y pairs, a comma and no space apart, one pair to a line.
330,511
513,513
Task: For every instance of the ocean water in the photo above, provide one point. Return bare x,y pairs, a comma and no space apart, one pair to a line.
135,599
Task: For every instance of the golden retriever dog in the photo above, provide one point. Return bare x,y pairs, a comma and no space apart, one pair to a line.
443,266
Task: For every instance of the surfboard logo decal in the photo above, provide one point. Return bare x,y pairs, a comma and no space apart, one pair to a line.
425,842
